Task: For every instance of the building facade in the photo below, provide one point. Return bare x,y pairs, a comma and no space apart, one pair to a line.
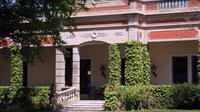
171,29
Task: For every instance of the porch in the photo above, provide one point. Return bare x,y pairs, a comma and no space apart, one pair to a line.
173,62
87,71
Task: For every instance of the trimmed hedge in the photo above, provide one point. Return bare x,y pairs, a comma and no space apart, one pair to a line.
111,98
184,96
146,65
16,65
110,95
114,64
134,64
26,99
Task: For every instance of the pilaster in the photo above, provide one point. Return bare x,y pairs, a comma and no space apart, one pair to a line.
76,68
60,70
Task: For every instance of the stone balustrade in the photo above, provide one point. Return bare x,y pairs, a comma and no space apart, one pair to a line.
172,4
66,96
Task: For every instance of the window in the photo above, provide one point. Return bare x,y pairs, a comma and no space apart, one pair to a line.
25,74
180,69
184,69
68,67
194,69
123,71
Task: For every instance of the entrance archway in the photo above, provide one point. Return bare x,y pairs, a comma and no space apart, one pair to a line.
93,69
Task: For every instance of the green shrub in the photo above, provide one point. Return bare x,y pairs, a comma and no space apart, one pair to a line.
134,64
114,64
184,96
111,98
146,65
16,65
160,96
132,98
4,100
35,98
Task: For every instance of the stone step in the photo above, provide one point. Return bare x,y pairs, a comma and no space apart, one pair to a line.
85,106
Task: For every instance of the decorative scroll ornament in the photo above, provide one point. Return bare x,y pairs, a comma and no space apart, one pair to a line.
94,35
94,3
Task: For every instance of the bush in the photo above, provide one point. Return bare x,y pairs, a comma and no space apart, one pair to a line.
111,98
110,94
27,99
146,65
132,98
16,65
184,96
134,64
4,100
114,64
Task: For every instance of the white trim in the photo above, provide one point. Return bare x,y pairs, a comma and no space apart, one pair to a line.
189,60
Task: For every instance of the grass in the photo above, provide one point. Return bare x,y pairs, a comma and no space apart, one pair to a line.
166,110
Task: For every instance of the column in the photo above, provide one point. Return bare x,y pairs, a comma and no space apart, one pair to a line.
60,70
133,29
76,68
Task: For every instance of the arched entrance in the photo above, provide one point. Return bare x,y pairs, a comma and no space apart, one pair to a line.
93,69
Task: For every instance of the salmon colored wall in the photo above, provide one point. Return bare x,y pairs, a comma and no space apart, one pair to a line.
4,71
138,6
172,34
193,3
151,6
42,73
161,53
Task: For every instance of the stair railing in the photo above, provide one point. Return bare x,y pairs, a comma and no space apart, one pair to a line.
67,96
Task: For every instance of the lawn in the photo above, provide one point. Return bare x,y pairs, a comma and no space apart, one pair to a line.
166,110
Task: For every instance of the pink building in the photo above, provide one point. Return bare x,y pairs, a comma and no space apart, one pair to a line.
171,29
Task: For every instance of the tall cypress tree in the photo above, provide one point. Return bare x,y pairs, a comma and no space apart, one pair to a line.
134,63
114,64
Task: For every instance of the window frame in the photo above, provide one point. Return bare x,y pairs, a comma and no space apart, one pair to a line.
189,67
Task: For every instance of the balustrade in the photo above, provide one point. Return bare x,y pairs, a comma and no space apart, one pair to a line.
67,96
173,4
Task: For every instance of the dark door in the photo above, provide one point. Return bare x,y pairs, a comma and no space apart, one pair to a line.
123,71
25,74
194,69
85,76
180,69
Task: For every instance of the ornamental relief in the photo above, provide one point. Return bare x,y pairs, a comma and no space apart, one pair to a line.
94,35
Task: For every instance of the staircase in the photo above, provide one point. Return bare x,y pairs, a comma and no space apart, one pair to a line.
85,106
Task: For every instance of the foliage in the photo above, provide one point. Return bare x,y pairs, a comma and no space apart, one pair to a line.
134,64
114,64
31,22
184,96
16,66
27,99
146,65
198,64
132,99
111,98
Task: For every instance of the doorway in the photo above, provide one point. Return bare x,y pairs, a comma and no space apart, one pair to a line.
180,69
85,69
